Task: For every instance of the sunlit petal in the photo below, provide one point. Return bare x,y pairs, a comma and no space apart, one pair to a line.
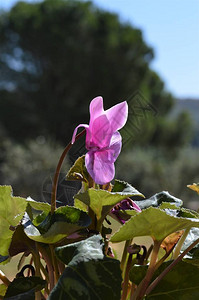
75,131
116,145
117,115
99,166
96,109
101,132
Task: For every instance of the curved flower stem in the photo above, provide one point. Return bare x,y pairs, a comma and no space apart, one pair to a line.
180,243
37,263
133,289
148,253
61,267
49,266
126,278
142,287
57,172
44,272
93,225
124,255
160,277
54,261
163,258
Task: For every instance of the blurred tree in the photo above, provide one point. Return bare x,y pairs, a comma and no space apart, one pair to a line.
151,172
30,168
57,55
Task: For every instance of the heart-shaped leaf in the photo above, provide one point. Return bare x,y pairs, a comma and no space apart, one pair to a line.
24,288
180,283
91,248
78,171
43,206
63,222
101,201
11,213
152,222
89,275
20,242
159,198
125,188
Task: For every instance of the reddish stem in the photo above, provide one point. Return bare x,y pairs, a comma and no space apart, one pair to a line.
126,278
57,172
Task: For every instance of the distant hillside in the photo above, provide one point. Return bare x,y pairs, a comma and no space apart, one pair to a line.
189,105
192,107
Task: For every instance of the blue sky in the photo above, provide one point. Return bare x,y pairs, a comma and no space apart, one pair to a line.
171,27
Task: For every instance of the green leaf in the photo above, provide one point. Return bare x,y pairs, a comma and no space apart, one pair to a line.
167,205
24,288
91,248
3,289
157,199
20,242
4,259
42,219
191,260
127,212
152,222
101,201
137,273
89,275
64,221
188,213
79,204
192,256
11,213
192,236
125,188
182,282
66,253
43,206
179,211
78,171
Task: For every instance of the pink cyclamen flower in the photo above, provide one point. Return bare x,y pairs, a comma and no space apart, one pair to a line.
103,141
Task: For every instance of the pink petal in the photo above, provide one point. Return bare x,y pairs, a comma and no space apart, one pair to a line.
75,131
101,132
89,162
99,166
136,207
116,145
96,109
117,115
